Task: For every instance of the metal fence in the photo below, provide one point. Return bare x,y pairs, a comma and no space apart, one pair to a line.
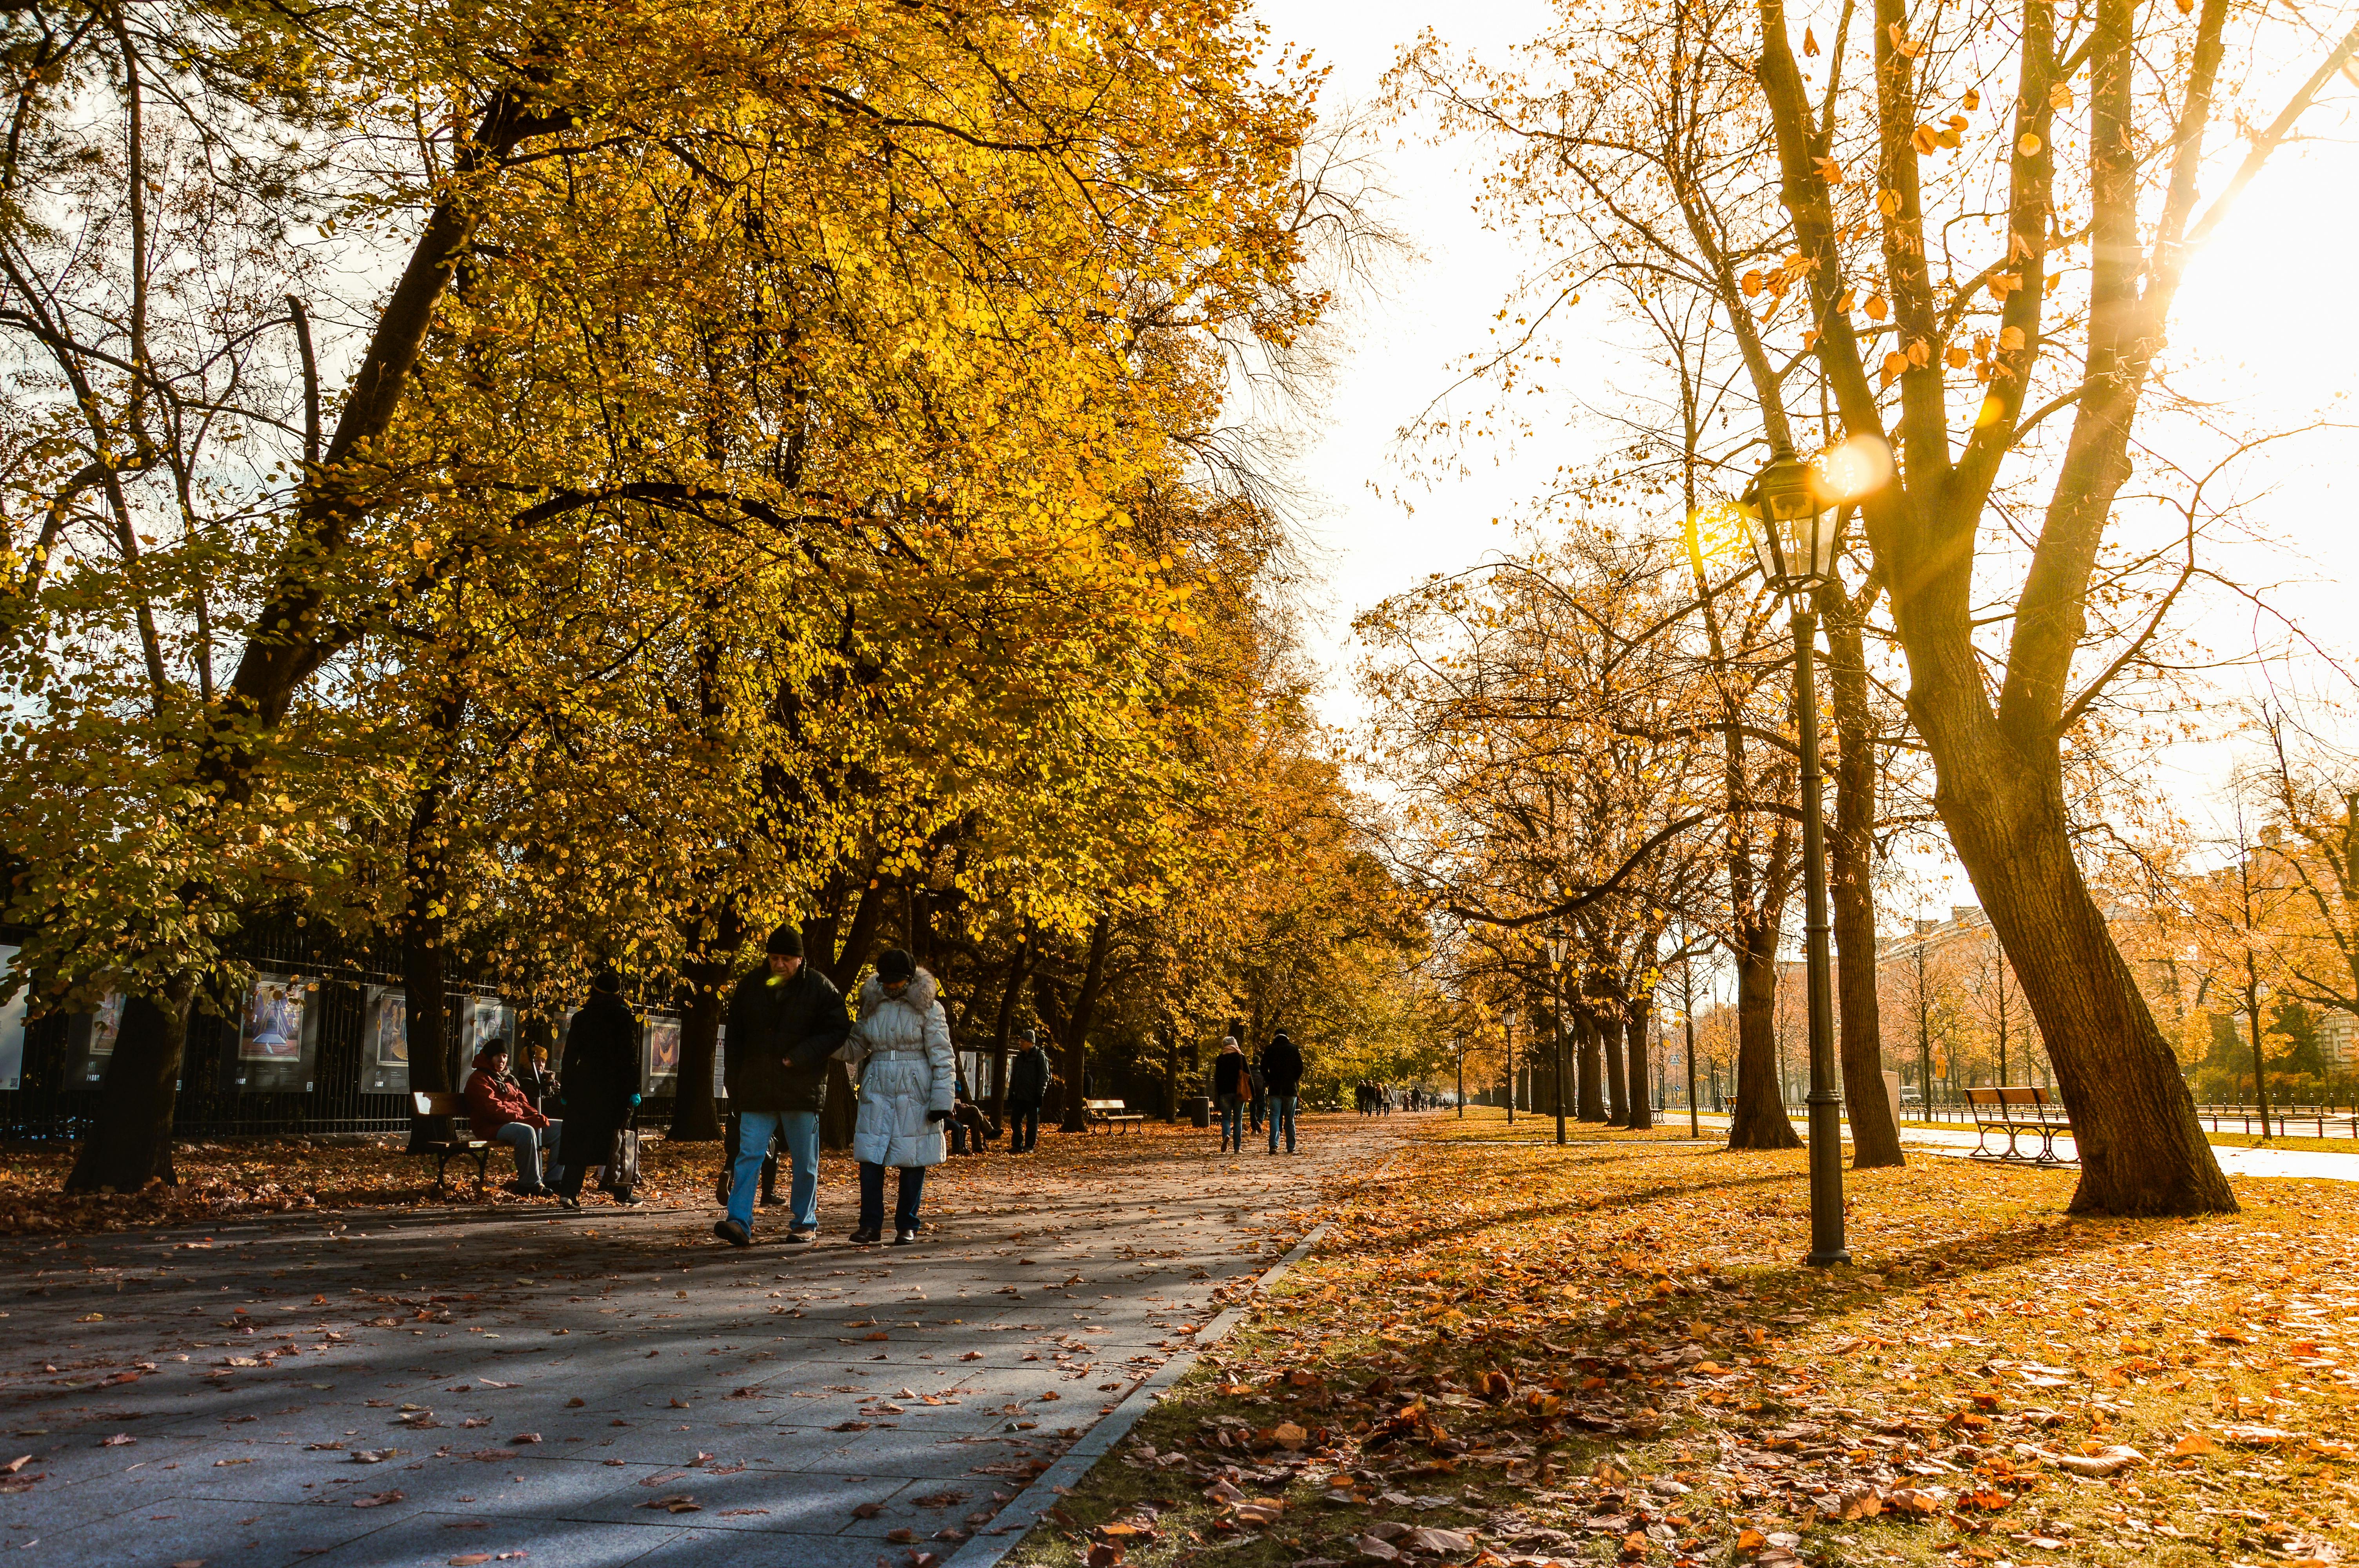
315,1047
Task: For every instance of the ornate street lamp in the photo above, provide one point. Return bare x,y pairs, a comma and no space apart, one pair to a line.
1791,508
1507,1017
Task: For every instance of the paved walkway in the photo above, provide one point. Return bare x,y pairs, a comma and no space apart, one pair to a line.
610,1386
2308,1165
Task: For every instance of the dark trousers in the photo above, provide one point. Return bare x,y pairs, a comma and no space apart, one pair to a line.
1024,1128
911,1187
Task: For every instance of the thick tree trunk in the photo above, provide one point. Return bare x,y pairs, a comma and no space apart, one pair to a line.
1003,1024
1851,860
131,1144
839,1113
1619,1086
1077,1026
1634,1030
2142,1150
695,1112
1760,1120
1589,1103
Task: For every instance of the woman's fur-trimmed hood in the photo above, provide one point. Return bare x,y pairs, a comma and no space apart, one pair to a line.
920,994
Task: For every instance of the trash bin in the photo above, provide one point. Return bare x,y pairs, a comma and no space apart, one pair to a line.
1197,1109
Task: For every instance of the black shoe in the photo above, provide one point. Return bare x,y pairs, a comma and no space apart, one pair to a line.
904,1237
864,1237
627,1198
771,1200
721,1189
564,1202
732,1232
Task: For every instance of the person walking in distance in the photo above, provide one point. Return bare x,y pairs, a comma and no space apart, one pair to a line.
1281,1068
901,1046
785,1019
1028,1085
1232,1088
597,1085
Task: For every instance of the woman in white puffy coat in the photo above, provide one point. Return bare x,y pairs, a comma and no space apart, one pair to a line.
901,1051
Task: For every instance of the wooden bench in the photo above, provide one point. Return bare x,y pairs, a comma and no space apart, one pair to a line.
460,1146
1111,1113
2016,1111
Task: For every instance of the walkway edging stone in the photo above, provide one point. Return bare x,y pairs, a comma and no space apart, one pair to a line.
1014,1522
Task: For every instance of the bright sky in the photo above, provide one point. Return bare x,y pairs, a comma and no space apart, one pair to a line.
2271,298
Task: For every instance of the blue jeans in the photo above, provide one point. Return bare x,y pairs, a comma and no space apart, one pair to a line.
1233,1121
1281,1110
528,1142
799,1131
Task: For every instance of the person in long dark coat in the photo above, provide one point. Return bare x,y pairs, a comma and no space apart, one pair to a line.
598,1083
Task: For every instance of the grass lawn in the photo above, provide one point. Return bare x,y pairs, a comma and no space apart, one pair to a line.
1505,1353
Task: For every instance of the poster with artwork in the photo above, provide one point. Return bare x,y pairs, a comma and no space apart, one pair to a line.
12,1027
385,1041
90,1041
663,1048
273,1027
482,1020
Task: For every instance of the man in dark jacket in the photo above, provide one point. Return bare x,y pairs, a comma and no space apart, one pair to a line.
785,1020
1281,1068
598,1084
1028,1085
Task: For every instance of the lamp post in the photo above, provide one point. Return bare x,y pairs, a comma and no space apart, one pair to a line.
1687,1008
1790,509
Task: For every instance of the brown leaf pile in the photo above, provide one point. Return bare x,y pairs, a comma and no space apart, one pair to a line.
1513,1355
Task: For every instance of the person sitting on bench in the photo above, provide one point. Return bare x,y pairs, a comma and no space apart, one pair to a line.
497,1110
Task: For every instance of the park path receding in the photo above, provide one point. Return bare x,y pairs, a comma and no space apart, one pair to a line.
610,1387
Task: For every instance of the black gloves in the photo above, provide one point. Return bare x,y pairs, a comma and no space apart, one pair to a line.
937,1116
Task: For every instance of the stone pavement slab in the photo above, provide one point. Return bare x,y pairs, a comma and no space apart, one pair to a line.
610,1386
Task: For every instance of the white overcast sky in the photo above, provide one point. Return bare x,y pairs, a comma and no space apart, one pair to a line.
2274,294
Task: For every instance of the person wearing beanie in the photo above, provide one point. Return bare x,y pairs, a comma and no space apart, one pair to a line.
1027,1089
1281,1069
908,1080
785,1020
598,1084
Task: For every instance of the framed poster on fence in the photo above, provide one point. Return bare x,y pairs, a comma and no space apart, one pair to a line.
278,1036
482,1020
385,1042
12,1026
662,1051
90,1041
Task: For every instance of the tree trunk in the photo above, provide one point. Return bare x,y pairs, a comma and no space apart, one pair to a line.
1619,1084
1634,1030
1004,1023
1077,1026
1589,1103
839,1113
695,1114
131,1144
1760,1120
2142,1150
1851,860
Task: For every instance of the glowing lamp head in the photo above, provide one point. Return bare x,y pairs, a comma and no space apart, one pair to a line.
1786,509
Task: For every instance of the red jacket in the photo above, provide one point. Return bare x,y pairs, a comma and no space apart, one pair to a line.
492,1103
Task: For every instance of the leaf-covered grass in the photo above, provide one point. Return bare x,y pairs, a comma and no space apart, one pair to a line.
1612,1353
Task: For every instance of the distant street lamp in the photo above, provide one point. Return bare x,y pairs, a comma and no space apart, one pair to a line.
1790,508
1507,1017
